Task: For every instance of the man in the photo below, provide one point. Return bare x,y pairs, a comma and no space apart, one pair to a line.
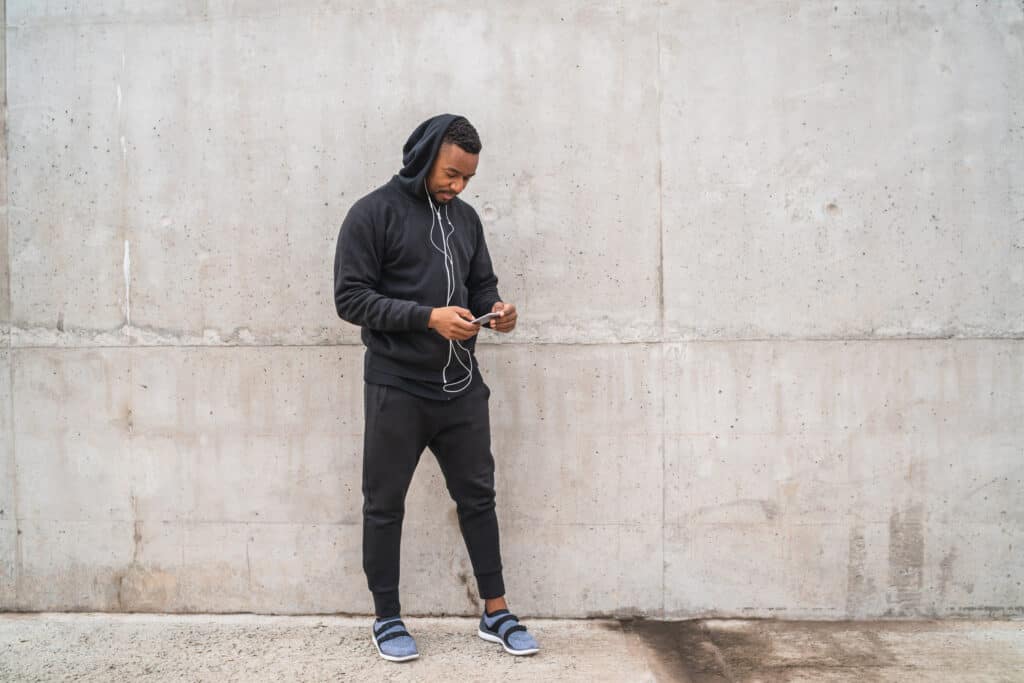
413,270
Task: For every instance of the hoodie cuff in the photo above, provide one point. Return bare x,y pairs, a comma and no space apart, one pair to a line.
421,317
490,306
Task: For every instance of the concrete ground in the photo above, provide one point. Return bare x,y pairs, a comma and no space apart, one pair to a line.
104,647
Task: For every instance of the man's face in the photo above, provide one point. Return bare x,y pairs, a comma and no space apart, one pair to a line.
452,169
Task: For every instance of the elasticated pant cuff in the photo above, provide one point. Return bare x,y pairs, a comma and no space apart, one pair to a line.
490,585
387,604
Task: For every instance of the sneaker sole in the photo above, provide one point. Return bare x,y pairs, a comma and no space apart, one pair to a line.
393,658
495,639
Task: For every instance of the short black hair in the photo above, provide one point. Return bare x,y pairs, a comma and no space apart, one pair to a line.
463,134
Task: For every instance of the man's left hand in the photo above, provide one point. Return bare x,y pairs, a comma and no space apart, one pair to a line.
506,322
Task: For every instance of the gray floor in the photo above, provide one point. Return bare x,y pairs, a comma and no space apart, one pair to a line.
101,647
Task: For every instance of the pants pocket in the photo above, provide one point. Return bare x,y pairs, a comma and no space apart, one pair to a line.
382,395
373,403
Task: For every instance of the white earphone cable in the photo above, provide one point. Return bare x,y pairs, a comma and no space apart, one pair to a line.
461,384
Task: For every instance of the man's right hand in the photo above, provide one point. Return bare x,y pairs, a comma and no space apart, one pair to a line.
452,322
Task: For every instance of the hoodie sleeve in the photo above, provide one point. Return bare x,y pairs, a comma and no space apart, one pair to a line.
482,283
357,273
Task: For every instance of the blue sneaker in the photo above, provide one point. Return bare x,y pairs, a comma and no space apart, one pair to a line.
392,641
504,627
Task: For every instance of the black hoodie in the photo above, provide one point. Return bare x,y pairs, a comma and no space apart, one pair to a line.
395,258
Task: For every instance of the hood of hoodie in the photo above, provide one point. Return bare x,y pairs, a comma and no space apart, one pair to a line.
420,150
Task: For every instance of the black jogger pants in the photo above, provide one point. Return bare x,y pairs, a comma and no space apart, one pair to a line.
399,426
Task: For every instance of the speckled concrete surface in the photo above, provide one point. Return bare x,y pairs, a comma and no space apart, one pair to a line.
95,647
103,647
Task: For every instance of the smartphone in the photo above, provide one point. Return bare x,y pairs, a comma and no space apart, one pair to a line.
485,318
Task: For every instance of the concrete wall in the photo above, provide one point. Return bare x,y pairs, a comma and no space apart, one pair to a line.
769,258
